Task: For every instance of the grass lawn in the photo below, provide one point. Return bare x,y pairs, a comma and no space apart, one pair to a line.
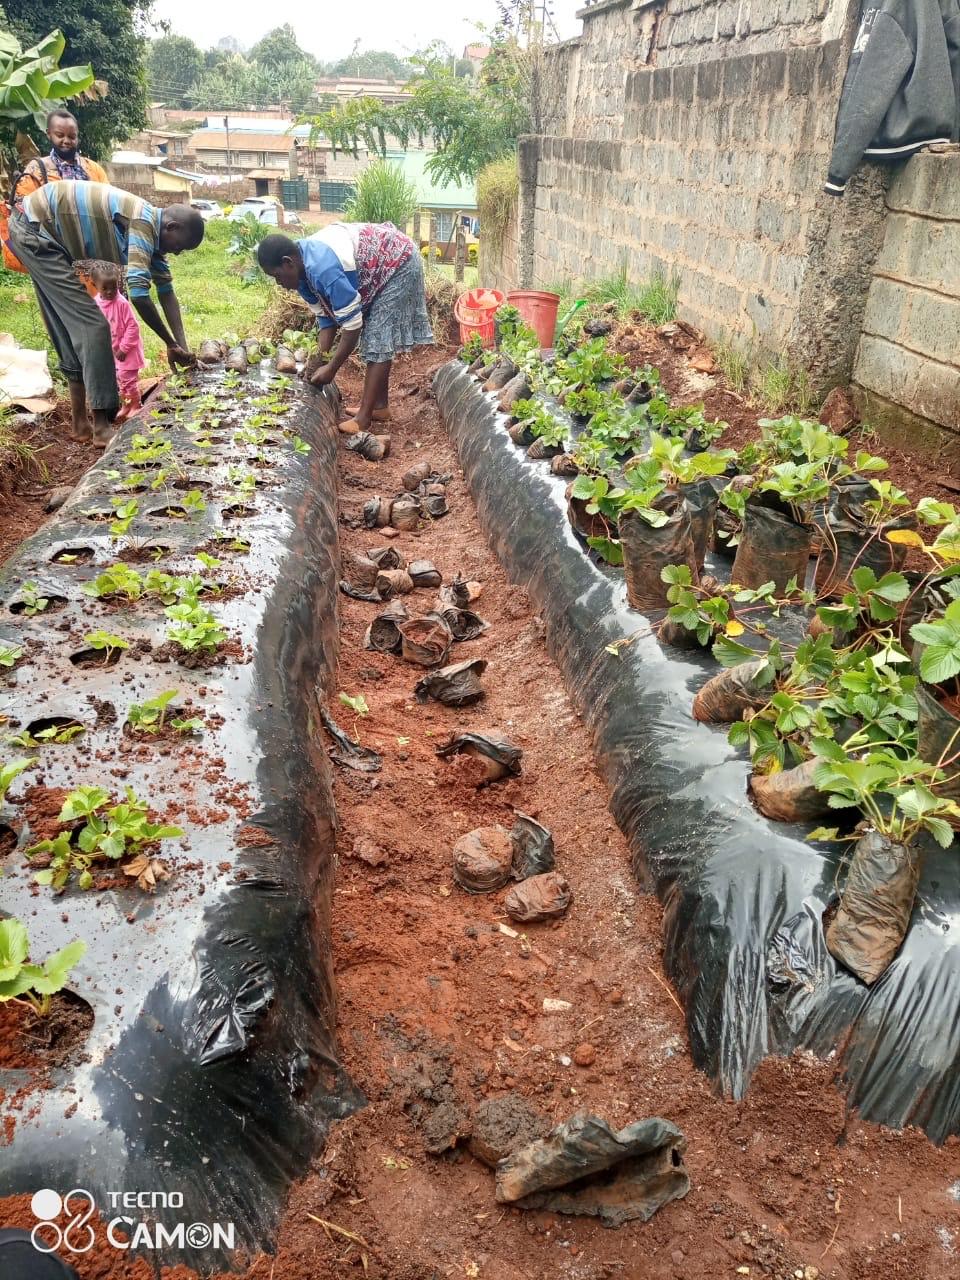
212,297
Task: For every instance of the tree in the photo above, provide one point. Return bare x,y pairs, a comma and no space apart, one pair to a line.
279,48
471,122
372,64
108,35
174,65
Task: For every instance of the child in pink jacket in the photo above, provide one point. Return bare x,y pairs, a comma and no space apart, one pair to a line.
125,333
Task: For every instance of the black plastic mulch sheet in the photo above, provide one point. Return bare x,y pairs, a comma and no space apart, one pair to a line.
211,1069
743,897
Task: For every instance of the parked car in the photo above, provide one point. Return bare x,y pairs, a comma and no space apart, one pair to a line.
291,218
265,209
207,209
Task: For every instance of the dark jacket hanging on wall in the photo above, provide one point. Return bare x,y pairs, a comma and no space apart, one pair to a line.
902,88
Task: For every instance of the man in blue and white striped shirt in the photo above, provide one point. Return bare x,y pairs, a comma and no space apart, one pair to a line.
64,222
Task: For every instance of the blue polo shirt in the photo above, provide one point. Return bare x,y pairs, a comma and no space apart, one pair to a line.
331,287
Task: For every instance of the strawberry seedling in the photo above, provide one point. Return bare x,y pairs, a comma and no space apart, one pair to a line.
106,642
195,628
34,983
150,716
11,654
31,599
108,832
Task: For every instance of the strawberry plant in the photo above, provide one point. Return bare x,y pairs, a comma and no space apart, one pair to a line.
116,580
150,716
895,795
31,600
108,831
10,772
300,446
106,642
940,637
124,513
194,503
10,654
195,628
472,349
144,450
211,562
56,734
35,984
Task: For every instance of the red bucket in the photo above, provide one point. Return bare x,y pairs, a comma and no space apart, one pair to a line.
538,309
474,312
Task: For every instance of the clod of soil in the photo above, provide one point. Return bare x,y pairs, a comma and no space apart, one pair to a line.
538,898
502,1125
482,859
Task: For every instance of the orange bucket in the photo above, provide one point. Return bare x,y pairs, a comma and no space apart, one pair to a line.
538,309
474,312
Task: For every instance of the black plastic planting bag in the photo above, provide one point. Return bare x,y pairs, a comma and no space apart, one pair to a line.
849,541
773,547
876,901
648,549
211,1069
743,897
585,1167
702,499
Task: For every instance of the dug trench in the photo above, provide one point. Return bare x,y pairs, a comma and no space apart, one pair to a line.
441,1009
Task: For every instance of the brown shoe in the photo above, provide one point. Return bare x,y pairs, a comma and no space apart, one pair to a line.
350,427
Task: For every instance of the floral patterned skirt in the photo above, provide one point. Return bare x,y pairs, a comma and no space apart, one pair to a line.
397,318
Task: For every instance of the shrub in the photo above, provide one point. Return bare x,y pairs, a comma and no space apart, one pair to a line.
382,194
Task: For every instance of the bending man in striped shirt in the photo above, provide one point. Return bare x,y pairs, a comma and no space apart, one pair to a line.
66,221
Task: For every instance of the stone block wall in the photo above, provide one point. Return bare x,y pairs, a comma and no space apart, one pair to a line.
715,177
907,370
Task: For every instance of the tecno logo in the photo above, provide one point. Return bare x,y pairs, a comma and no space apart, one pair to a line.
77,1236
123,1231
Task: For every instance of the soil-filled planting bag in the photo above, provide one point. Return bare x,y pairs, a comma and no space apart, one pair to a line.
876,901
211,1068
790,796
701,498
848,541
648,549
773,547
938,731
743,897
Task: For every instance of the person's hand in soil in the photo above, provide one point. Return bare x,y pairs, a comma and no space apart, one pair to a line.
323,376
180,358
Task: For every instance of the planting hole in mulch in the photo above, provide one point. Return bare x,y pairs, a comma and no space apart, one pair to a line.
167,513
56,723
85,659
73,555
8,840
54,605
31,1042
238,512
141,554
188,482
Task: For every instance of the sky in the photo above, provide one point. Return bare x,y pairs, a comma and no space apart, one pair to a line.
329,30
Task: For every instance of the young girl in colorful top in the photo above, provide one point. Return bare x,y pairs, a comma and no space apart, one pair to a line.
366,281
124,333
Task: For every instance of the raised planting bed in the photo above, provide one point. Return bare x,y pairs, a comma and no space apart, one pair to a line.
751,905
179,681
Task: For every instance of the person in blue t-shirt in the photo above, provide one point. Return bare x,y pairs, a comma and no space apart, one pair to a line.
364,281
